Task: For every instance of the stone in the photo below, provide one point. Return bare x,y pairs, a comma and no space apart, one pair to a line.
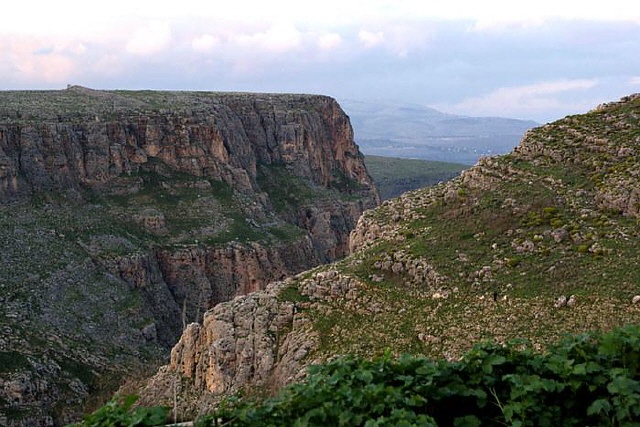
560,302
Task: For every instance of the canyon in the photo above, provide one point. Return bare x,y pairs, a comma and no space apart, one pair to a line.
126,215
533,245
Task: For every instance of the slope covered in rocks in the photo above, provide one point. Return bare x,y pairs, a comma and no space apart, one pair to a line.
124,216
534,244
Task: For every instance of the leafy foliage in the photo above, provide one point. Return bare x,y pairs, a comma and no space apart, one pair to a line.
119,412
588,379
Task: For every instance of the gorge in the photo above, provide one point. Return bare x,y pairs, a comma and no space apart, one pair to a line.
126,215
529,246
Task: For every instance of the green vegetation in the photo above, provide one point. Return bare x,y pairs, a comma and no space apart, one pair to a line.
12,361
289,193
587,379
119,412
394,176
524,229
292,294
283,187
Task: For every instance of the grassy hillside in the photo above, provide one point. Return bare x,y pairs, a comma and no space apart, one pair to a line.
555,218
394,176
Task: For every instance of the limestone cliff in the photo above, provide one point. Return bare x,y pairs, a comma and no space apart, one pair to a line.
231,138
126,215
495,254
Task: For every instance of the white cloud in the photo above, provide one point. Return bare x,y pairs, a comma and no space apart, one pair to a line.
205,43
88,19
279,37
370,39
634,81
25,60
527,101
152,38
329,41
491,12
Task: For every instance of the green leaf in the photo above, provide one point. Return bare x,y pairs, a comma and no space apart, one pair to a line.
623,385
364,376
416,400
600,406
491,361
467,421
128,401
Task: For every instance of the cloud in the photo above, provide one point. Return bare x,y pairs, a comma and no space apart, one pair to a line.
205,43
526,101
279,37
329,41
370,39
152,38
27,59
634,81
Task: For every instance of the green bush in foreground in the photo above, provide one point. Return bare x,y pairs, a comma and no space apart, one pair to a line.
119,412
586,380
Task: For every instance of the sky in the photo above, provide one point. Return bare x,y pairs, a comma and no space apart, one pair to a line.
537,60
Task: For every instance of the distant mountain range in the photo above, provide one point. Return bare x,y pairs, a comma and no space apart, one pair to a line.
415,131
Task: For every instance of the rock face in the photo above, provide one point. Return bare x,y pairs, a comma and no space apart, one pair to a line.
263,341
231,138
138,211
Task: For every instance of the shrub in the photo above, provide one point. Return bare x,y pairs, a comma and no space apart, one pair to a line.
119,412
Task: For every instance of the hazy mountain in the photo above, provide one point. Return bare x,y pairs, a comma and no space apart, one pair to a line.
415,131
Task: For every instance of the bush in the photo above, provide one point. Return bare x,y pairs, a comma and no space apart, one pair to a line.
119,412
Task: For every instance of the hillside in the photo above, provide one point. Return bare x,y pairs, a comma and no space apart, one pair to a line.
394,176
124,216
535,244
417,132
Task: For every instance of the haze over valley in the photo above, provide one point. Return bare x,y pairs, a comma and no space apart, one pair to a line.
414,131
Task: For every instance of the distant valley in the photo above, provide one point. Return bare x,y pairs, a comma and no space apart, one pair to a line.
415,131
394,176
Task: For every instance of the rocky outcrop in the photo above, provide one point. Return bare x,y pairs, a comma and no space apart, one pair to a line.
256,340
139,211
200,278
605,147
224,137
263,341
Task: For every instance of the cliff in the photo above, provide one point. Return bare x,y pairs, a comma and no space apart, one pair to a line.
93,139
534,244
126,215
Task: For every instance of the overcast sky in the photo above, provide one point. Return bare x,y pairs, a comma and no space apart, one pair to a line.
535,60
